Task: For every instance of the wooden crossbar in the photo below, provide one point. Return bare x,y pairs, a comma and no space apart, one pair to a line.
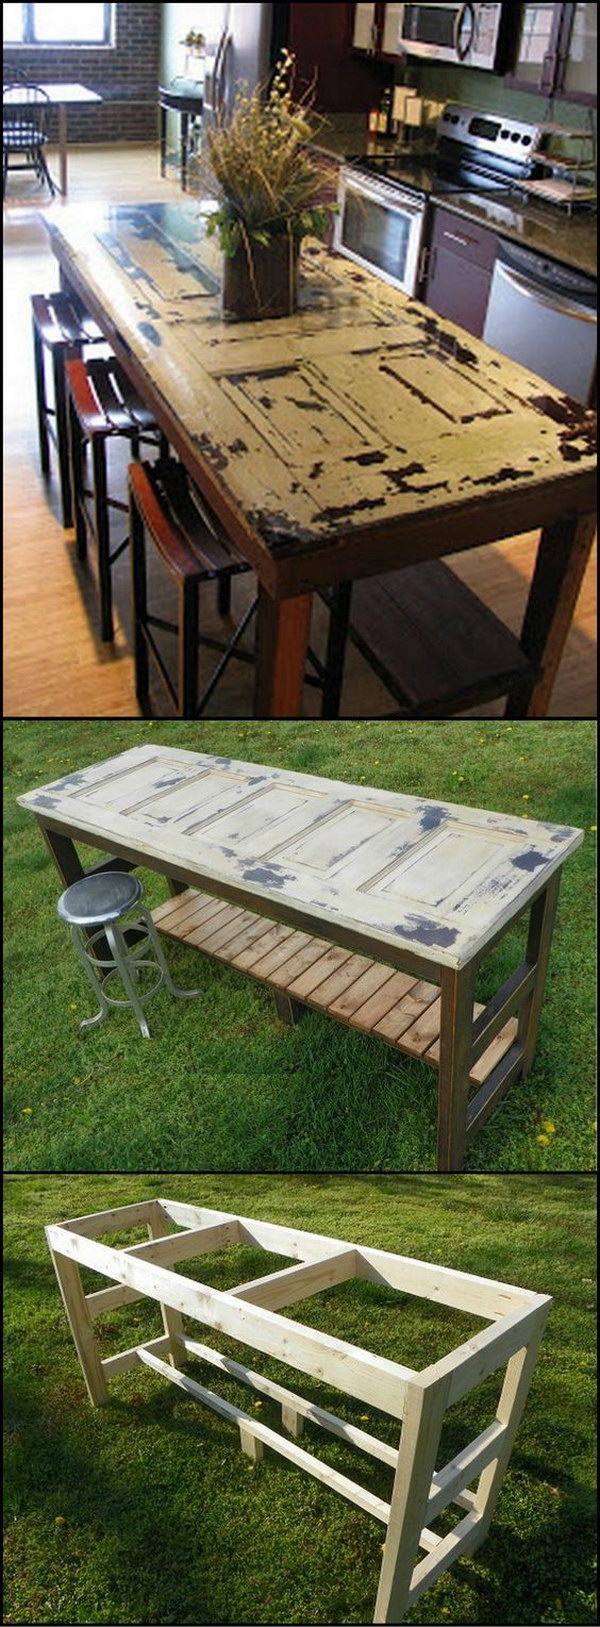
457,1542
269,1437
495,1087
371,1379
495,1014
126,1359
292,1402
248,1311
463,1468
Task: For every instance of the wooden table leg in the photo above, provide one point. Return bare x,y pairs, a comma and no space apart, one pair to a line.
457,989
64,853
539,943
562,557
281,644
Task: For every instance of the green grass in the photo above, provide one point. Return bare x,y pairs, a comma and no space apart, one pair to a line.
146,1511
224,1084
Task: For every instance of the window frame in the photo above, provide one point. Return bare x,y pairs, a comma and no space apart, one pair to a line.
28,36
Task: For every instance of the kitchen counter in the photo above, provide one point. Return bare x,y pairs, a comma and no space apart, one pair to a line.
546,229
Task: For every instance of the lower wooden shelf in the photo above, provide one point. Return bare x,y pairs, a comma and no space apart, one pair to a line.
364,993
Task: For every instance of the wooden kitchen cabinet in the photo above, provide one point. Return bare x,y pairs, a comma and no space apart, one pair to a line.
376,29
556,51
459,269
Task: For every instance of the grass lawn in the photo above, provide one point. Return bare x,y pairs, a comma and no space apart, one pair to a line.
146,1511
224,1084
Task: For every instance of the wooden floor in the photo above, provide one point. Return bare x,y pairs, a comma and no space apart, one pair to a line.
55,664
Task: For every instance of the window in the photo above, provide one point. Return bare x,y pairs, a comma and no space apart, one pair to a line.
57,24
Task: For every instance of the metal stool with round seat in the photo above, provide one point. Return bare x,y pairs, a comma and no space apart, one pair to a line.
94,909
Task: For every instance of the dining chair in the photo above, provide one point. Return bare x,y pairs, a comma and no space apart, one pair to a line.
25,111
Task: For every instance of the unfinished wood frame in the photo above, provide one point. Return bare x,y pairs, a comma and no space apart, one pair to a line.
249,1312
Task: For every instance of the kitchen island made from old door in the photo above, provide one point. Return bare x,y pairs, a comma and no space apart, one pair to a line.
373,906
359,436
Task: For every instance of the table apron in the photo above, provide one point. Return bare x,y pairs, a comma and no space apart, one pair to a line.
356,938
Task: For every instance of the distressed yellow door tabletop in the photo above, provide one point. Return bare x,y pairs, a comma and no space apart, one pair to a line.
360,435
421,888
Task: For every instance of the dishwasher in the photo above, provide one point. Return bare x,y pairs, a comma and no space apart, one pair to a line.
544,315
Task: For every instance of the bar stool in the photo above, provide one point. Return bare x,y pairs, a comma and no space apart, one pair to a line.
193,548
102,405
102,901
167,508
62,329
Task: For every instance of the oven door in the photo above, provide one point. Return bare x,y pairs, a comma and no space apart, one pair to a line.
452,33
380,228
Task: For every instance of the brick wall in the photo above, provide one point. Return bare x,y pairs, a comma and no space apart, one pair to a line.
125,75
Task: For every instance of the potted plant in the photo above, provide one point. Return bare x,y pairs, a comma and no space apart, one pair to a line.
271,191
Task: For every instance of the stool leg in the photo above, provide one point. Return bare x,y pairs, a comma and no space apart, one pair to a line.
224,595
187,649
121,960
62,437
77,477
40,396
107,631
137,544
180,994
93,977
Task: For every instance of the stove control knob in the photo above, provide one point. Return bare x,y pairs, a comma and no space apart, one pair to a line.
515,136
526,141
505,134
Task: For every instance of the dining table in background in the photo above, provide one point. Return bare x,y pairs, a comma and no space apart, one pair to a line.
63,96
361,435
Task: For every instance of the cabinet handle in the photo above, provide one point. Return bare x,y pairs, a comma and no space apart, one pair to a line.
454,237
425,261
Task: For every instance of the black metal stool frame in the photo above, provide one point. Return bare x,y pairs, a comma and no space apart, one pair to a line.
188,573
122,420
78,330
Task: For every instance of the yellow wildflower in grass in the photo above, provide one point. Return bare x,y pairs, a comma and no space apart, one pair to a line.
543,1141
525,797
27,1110
591,827
258,1403
60,1520
549,1127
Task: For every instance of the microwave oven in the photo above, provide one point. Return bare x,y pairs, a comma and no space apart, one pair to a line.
467,34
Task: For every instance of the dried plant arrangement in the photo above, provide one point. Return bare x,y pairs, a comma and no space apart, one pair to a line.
272,189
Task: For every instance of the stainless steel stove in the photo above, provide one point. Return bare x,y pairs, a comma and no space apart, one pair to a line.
484,151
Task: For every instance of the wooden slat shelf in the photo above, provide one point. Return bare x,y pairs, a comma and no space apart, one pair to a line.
364,993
